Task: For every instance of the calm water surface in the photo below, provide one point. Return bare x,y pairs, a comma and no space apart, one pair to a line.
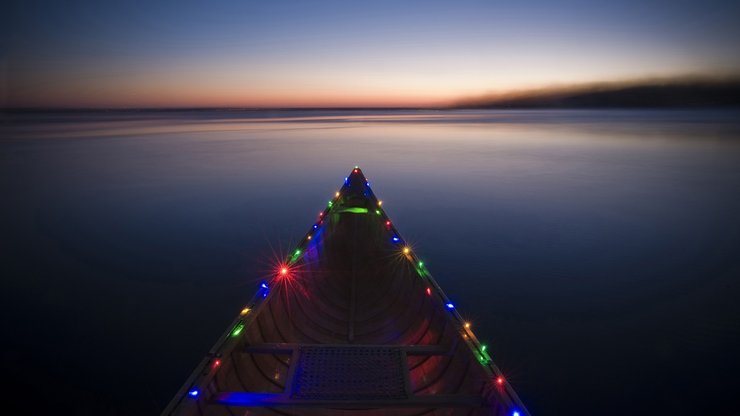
596,252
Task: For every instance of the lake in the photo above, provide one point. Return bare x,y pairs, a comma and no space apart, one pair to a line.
597,253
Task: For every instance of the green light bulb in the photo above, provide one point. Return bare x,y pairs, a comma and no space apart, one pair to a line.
237,329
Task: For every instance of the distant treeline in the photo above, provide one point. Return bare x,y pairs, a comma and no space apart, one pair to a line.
656,95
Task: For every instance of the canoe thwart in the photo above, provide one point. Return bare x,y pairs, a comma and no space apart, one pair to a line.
245,399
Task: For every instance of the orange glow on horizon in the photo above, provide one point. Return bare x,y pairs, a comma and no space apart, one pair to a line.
181,93
216,91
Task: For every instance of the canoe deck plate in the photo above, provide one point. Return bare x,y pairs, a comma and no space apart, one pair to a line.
350,373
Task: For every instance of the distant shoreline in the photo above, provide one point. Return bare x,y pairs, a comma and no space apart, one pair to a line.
497,106
692,95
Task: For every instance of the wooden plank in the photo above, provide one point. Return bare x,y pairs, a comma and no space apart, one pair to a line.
244,399
271,348
287,348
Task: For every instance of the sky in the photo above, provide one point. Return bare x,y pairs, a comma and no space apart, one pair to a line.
94,54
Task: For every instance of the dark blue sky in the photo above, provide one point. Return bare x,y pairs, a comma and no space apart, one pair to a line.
162,53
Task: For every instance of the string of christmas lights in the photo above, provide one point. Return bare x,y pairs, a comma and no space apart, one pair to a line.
478,349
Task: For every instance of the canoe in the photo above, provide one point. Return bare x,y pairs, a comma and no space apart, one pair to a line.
351,322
